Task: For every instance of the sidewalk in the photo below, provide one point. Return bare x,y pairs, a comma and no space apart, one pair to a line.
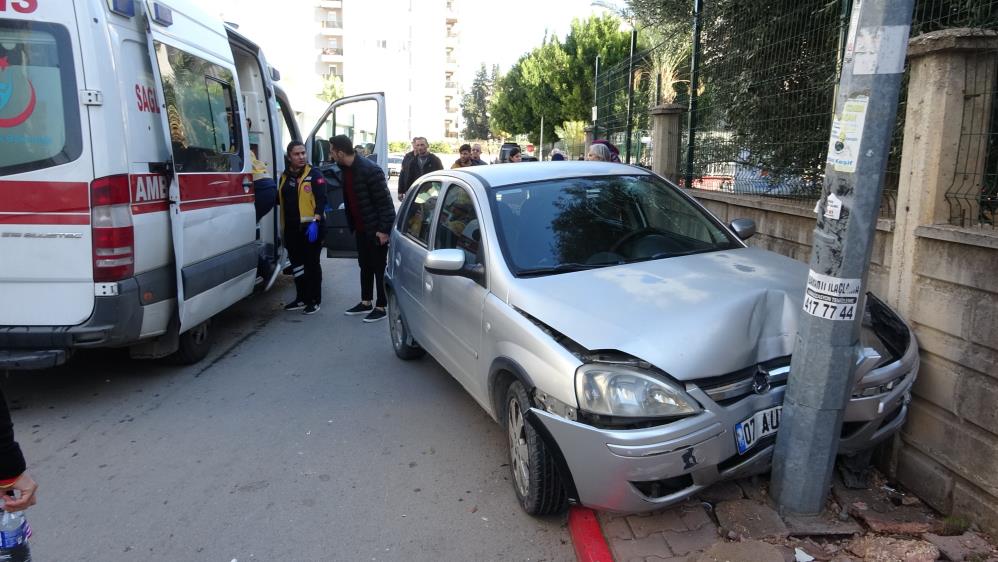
735,522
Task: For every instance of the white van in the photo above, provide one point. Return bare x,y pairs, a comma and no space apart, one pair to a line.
126,194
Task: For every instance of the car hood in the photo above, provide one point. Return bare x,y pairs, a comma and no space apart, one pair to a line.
691,316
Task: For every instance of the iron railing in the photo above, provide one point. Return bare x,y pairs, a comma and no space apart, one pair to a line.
767,78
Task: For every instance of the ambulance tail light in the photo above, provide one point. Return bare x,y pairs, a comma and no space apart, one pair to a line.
113,234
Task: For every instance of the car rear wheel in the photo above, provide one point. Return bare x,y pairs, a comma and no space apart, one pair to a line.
400,332
535,476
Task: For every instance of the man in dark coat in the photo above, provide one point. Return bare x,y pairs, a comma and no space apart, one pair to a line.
416,163
370,214
12,474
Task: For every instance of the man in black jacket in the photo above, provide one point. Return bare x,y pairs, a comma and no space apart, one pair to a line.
416,163
12,474
370,214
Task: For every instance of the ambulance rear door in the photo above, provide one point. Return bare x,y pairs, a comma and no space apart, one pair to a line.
212,217
362,118
46,169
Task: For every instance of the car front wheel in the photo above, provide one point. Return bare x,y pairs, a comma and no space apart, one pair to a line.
400,332
535,476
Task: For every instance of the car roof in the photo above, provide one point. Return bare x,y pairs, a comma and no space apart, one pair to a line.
499,175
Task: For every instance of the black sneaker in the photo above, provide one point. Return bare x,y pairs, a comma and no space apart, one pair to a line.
375,315
360,308
311,309
295,305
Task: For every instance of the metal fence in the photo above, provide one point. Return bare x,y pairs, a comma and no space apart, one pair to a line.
973,193
765,95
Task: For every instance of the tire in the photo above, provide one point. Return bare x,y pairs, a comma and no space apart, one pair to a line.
194,345
400,332
534,474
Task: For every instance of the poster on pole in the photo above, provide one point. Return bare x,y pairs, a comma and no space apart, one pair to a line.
847,134
831,298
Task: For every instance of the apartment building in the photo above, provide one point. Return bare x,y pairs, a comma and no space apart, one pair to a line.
408,49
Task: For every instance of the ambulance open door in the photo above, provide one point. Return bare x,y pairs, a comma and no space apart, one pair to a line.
362,118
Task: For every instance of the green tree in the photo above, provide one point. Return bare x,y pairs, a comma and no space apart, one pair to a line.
475,105
332,88
555,80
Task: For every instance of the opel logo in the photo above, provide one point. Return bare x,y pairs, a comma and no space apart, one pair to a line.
760,382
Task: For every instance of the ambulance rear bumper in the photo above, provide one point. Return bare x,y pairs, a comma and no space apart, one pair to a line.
116,320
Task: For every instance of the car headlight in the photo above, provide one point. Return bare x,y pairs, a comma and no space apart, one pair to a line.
622,391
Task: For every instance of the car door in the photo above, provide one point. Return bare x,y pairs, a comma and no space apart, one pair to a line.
455,303
362,118
407,254
212,217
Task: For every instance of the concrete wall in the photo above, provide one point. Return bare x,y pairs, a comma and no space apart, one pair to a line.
943,279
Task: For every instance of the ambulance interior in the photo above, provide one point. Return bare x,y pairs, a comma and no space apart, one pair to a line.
266,151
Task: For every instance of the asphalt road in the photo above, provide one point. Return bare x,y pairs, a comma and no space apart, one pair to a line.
298,438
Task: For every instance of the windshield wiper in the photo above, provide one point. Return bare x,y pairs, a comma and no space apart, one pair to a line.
563,268
661,255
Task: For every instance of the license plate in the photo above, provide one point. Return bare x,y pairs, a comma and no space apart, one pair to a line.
762,423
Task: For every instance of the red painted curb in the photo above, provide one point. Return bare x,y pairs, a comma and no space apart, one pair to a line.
587,536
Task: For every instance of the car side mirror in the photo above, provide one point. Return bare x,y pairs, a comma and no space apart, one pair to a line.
451,262
444,262
743,228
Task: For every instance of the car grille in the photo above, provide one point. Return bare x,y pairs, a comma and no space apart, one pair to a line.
726,389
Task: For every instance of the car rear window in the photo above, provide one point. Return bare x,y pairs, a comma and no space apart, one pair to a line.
39,112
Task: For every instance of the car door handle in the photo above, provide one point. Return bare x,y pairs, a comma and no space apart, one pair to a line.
428,283
398,259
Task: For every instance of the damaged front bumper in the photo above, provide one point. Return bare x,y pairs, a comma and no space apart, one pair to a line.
634,470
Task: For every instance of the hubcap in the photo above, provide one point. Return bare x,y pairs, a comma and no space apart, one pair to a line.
395,319
518,447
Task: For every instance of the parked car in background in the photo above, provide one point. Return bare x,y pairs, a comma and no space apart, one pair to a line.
394,165
634,348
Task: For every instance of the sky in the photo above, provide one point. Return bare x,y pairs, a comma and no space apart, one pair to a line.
494,34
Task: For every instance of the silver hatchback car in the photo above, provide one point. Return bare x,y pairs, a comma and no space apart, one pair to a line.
635,349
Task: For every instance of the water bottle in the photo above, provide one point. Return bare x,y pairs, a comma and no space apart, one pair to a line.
14,533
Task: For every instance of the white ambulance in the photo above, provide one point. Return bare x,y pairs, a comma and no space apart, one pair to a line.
127,212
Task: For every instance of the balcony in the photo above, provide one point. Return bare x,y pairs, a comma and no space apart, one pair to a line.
451,86
331,4
452,63
332,54
331,28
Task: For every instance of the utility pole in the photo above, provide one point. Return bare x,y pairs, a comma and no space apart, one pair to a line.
630,93
540,151
691,121
826,354
596,100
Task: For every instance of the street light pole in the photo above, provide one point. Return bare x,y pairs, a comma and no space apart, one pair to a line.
826,356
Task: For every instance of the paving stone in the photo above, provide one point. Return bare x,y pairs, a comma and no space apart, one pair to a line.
890,549
685,542
820,525
722,491
647,524
875,509
670,559
694,516
969,545
616,528
636,550
745,551
750,519
755,488
905,520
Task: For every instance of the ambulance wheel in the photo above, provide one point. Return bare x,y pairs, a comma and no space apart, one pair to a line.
194,345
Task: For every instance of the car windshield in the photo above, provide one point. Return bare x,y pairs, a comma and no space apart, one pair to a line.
584,223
